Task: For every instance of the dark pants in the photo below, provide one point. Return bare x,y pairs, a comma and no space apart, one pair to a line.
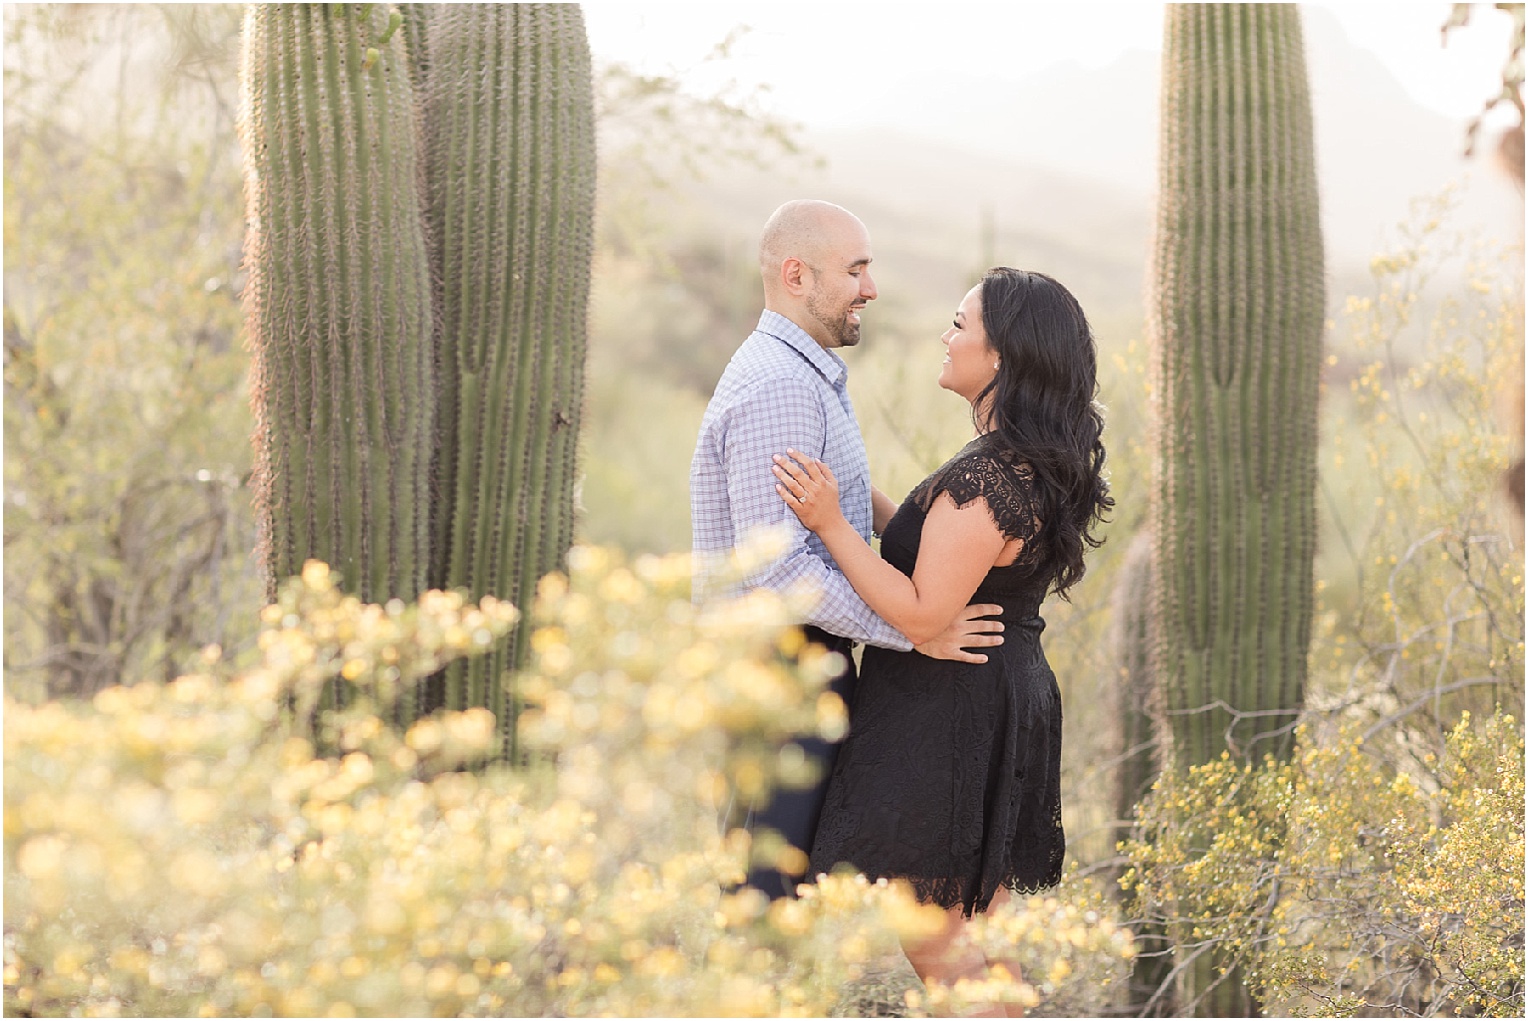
793,812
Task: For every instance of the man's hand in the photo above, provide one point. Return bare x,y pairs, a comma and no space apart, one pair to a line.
967,631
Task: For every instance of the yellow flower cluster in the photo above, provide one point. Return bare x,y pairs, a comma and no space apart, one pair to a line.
1067,949
266,841
1339,881
1428,573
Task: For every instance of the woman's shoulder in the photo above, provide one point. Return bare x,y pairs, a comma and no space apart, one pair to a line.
986,471
981,467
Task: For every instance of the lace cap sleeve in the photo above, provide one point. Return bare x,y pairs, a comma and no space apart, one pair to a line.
1007,486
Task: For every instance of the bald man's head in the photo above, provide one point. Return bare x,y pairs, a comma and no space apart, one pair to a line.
801,229
815,258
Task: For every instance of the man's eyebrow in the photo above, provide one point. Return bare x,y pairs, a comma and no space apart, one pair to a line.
867,260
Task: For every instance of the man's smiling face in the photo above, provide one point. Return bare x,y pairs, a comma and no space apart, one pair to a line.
842,284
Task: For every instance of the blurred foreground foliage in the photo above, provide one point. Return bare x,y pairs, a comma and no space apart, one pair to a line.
209,846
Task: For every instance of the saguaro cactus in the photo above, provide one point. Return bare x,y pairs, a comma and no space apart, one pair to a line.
1132,646
1236,311
338,299
421,223
509,121
1138,756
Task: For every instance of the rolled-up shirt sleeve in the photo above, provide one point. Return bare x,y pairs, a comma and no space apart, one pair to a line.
771,418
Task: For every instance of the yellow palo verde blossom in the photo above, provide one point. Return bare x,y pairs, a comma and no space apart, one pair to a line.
237,843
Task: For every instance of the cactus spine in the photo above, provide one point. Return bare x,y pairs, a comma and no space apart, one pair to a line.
420,245
1236,311
509,116
1236,308
338,301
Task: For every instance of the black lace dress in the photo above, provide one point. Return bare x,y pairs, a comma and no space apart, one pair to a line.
950,777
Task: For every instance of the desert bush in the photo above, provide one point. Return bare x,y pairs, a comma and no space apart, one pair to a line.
215,846
1421,614
1380,871
1345,886
126,415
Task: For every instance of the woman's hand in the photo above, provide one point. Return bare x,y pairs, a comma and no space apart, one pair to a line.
808,489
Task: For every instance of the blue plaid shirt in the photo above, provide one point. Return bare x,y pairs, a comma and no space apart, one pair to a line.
783,389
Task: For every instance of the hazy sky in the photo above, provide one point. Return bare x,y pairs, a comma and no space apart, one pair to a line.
826,63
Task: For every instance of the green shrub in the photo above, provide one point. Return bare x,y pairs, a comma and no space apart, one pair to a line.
1344,886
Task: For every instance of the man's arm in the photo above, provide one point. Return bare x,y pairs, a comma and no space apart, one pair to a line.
790,416
967,631
780,414
882,509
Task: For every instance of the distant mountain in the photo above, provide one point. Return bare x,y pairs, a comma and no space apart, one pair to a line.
1059,174
1376,151
1100,124
939,215
1376,148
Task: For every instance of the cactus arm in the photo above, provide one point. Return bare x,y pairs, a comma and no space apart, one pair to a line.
509,117
339,307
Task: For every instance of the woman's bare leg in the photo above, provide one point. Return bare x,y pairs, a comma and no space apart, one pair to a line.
948,956
1013,1009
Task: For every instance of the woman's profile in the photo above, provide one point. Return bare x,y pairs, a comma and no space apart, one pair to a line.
950,776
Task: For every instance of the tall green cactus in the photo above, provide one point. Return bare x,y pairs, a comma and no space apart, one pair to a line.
420,245
1236,307
509,122
338,300
1138,711
1132,650
1236,310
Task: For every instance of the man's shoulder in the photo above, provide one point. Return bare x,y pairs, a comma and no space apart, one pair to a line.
763,351
764,367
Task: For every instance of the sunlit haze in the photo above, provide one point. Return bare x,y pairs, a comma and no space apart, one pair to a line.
832,64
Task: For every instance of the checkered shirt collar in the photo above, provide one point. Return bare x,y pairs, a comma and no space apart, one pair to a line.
827,363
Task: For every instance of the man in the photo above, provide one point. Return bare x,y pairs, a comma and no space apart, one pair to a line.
785,388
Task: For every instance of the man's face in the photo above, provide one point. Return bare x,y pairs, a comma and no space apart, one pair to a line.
841,285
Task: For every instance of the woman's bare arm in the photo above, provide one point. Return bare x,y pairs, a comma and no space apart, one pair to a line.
958,547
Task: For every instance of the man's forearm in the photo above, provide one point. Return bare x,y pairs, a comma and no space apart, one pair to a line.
882,507
839,610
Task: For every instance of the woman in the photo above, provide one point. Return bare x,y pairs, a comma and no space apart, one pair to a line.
950,777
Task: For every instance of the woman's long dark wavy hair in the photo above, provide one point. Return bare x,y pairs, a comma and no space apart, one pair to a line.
1041,407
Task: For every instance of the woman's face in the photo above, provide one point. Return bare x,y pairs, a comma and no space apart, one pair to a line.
969,362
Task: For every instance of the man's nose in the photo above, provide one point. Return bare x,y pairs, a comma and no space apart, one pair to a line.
867,286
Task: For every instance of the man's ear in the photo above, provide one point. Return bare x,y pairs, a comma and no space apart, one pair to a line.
796,276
